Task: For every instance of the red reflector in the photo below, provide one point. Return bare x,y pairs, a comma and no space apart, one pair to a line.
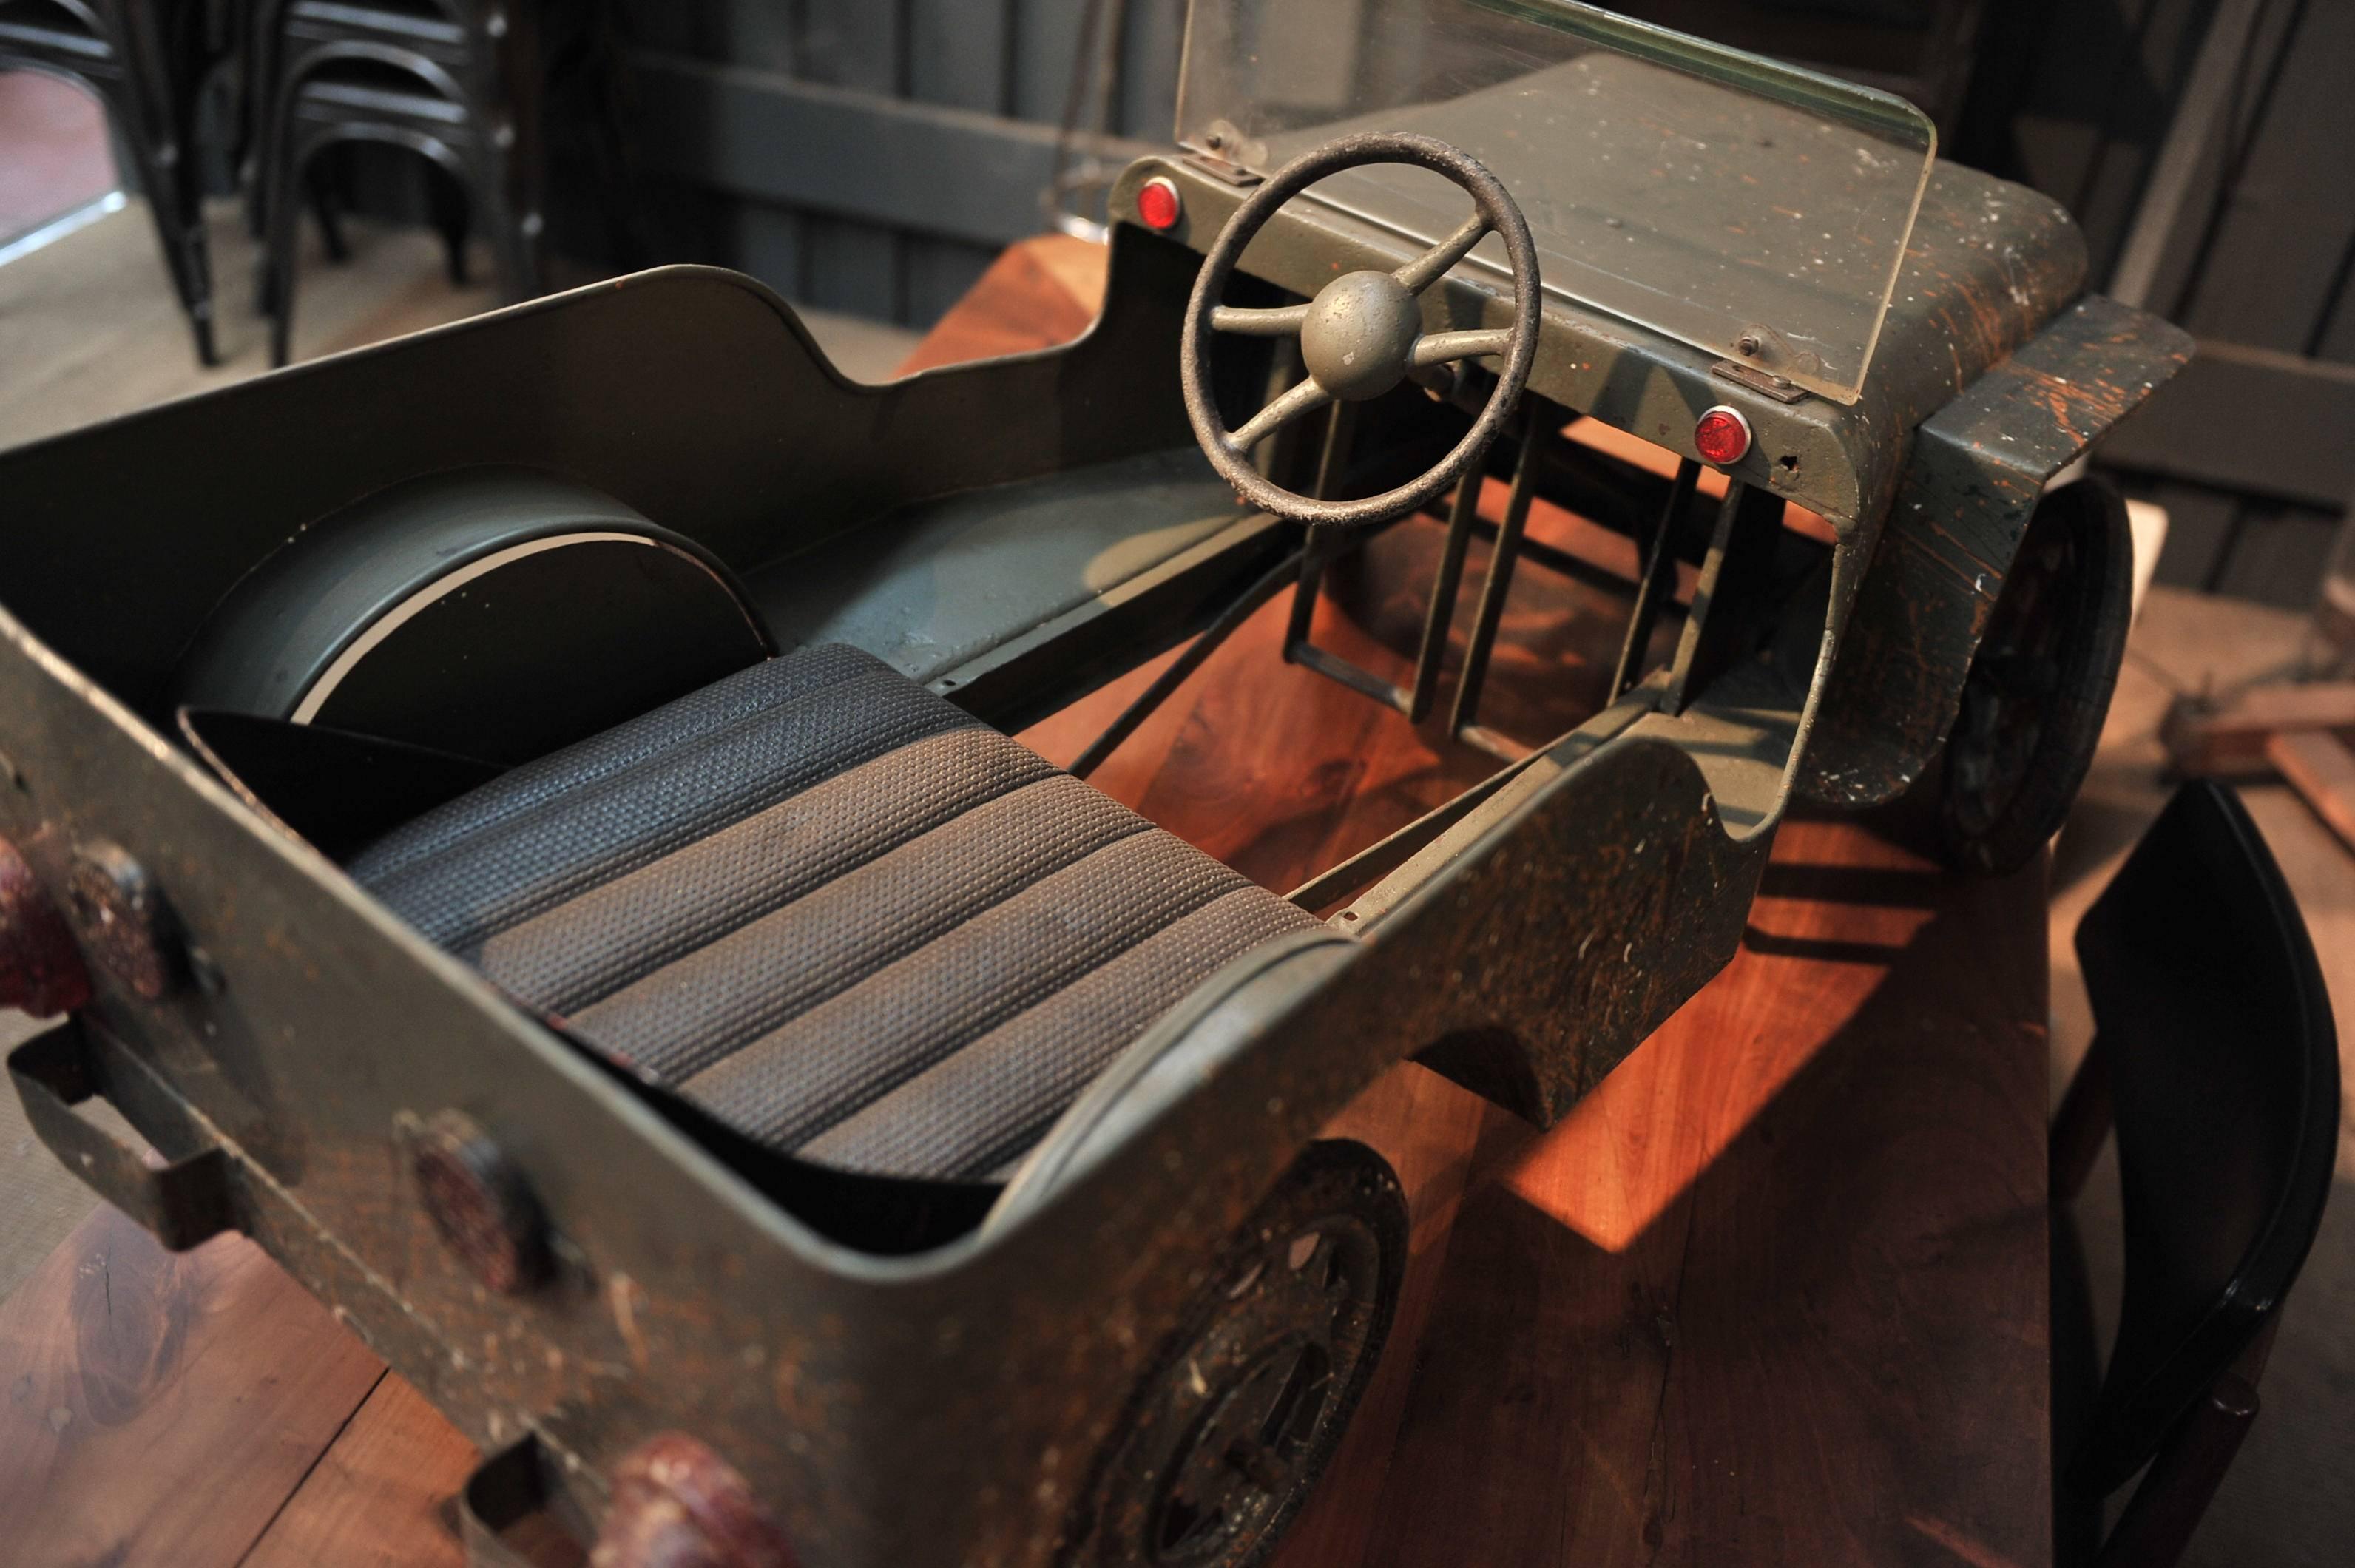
1157,203
1722,435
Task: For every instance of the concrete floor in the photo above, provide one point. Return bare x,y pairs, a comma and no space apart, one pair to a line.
53,151
41,1202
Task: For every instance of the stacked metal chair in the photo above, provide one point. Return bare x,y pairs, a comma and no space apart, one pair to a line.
450,81
143,59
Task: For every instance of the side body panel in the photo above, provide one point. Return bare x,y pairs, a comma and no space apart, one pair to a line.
939,1409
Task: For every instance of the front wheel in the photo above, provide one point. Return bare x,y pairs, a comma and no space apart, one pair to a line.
2040,686
1227,1437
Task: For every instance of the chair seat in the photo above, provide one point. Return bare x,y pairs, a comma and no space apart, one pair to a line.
843,916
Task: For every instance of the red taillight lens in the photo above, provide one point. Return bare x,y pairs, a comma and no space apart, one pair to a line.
1157,203
1722,436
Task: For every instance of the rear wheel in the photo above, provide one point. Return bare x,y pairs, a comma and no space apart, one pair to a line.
2040,686
1229,1432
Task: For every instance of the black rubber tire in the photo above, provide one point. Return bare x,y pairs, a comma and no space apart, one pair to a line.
2040,686
1302,1299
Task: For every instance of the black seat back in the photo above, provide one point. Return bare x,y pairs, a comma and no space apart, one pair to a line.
2223,1063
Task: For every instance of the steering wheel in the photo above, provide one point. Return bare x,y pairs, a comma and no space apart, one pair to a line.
1363,332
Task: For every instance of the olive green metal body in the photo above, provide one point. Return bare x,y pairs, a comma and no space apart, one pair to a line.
946,1406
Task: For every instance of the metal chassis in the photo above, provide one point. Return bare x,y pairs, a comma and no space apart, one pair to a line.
943,1407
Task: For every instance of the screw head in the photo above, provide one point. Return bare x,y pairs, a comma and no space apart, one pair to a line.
479,1202
123,921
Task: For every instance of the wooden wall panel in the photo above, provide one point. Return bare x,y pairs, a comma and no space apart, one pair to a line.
869,205
2272,269
2257,263
1149,55
960,53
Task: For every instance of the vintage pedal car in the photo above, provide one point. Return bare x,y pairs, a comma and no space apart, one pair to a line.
523,818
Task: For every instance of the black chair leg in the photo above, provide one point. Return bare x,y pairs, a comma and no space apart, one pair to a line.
2176,1489
450,217
200,307
260,113
195,242
179,216
489,179
322,187
2081,1126
278,265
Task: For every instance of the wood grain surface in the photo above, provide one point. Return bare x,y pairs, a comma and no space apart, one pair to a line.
1775,1293
158,1411
380,1496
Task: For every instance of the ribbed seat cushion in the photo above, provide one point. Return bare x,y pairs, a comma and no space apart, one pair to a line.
846,917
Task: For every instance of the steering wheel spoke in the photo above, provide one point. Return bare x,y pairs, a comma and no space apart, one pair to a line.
1303,399
1432,266
1362,336
1284,321
1444,347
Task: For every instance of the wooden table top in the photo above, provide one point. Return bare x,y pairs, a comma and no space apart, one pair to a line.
1775,1293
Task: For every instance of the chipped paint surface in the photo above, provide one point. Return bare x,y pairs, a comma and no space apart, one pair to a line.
954,1403
1976,471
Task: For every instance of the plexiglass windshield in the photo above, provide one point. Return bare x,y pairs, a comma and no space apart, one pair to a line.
1750,208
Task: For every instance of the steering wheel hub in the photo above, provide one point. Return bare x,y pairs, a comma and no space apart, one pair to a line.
1360,331
1362,335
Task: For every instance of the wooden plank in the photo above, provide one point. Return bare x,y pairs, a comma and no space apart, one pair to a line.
904,164
2148,73
2319,766
2247,420
770,243
2289,215
2206,740
667,25
766,36
1432,1133
1042,291
1146,107
957,53
940,272
379,1496
1775,1293
2188,159
2337,340
159,1409
2199,526
1046,41
851,265
2076,65
850,43
2279,554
